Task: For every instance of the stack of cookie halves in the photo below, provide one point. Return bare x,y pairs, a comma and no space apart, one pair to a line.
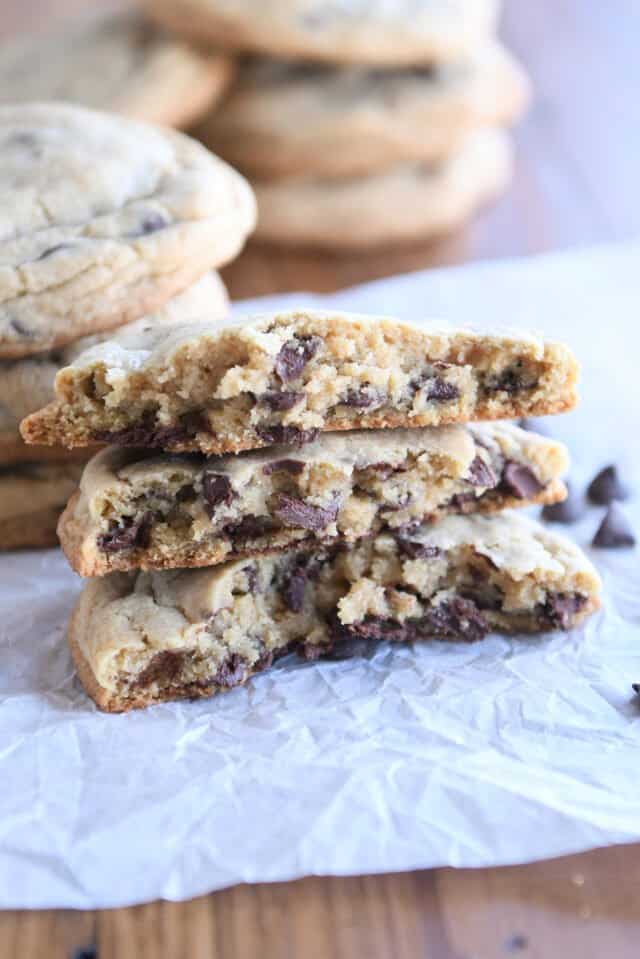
105,223
359,124
307,482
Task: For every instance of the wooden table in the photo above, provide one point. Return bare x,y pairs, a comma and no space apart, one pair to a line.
576,183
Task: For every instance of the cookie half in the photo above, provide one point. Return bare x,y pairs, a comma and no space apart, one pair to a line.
376,31
26,384
104,220
286,119
32,496
405,204
135,511
144,638
280,378
116,61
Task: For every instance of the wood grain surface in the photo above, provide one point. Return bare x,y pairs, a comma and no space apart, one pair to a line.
576,183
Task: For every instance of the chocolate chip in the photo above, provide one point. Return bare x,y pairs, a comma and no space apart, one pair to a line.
636,688
164,668
294,467
146,434
372,628
614,531
457,618
364,397
415,550
293,589
441,391
216,489
231,673
250,527
151,223
462,502
127,535
292,511
560,608
294,356
186,494
606,487
480,474
569,510
280,400
519,480
287,435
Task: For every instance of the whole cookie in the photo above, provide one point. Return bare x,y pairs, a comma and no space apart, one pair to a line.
115,61
407,203
103,220
288,119
341,31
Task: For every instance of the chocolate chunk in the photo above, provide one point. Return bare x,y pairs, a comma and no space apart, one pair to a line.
365,397
560,608
231,673
146,434
636,688
519,480
415,550
480,474
127,535
462,502
280,400
287,435
614,531
606,487
457,618
294,467
216,489
294,356
293,588
568,511
292,511
250,527
186,494
441,391
371,628
163,669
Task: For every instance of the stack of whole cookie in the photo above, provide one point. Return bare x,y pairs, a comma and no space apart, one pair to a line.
360,124
105,223
266,503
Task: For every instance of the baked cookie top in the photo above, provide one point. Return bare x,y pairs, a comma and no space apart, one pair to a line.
115,61
103,220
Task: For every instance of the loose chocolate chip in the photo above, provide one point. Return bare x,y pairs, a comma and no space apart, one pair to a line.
250,527
614,531
480,474
231,673
163,669
277,400
457,618
606,487
365,397
569,510
216,489
295,512
519,480
286,435
294,356
636,688
294,467
415,550
441,391
127,535
560,608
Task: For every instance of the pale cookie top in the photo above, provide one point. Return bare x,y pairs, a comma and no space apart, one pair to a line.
368,31
113,61
27,384
102,220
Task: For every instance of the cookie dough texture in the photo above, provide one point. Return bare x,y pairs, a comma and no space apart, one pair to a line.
409,202
219,387
32,496
103,220
286,119
115,61
350,31
26,384
144,638
153,512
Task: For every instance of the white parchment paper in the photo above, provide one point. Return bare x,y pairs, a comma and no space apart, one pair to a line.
499,752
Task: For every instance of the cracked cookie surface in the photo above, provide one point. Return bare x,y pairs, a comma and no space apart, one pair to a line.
218,387
103,220
143,638
135,511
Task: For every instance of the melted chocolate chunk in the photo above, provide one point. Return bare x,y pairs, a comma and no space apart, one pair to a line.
294,356
287,435
480,474
614,531
250,527
127,535
456,618
216,489
294,467
147,434
568,511
231,673
519,480
365,397
292,511
372,628
415,550
606,487
163,669
277,400
560,608
441,391
293,589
